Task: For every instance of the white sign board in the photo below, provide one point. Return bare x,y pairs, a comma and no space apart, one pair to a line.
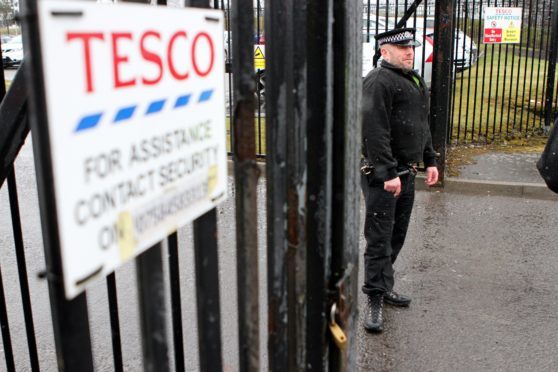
136,114
502,25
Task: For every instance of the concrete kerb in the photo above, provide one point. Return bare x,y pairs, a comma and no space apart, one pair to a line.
474,187
479,187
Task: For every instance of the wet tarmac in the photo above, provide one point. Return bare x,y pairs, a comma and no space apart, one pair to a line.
483,274
482,271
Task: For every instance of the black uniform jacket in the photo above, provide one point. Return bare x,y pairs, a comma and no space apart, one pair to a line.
395,120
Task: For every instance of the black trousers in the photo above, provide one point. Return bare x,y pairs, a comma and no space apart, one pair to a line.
385,228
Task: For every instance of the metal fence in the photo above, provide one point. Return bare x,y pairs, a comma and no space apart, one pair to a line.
501,95
258,40
377,16
499,92
311,171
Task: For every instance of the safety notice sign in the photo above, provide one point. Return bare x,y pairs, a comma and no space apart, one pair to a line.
136,122
259,57
502,25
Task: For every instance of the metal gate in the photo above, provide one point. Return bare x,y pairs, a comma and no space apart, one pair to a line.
312,149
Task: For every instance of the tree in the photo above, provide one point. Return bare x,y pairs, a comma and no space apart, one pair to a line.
6,13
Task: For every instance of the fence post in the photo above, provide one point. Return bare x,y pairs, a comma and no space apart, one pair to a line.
346,194
441,80
207,292
298,170
312,128
151,290
207,279
551,75
278,66
317,165
70,319
246,173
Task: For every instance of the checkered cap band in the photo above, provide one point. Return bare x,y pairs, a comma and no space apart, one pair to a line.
397,38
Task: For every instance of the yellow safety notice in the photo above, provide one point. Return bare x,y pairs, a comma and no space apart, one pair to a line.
259,57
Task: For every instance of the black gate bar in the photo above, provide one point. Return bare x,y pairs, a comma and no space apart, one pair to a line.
526,66
345,176
114,323
278,67
207,279
70,318
151,289
207,292
176,305
286,122
5,326
441,79
246,174
551,75
4,323
22,272
519,69
13,126
319,117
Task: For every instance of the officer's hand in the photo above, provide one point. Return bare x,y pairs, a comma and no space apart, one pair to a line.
431,176
393,186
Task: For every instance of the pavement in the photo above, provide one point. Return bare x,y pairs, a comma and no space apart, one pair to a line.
500,173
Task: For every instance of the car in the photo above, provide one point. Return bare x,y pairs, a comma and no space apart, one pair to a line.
373,24
11,40
259,39
12,52
5,39
466,53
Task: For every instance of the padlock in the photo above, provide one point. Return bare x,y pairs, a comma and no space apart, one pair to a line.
338,335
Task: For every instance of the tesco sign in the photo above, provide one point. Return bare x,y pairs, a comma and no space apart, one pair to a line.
162,56
136,124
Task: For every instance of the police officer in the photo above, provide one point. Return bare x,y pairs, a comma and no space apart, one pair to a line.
396,136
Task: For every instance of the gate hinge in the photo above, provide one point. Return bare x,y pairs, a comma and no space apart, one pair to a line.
343,293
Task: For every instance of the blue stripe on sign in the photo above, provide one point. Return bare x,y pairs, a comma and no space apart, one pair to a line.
155,106
125,113
182,100
88,122
205,95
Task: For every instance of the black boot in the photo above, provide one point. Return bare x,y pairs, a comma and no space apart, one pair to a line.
374,317
396,299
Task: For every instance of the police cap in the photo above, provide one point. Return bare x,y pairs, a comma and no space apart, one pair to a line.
398,36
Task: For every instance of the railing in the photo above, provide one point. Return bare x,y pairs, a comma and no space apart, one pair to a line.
500,93
163,312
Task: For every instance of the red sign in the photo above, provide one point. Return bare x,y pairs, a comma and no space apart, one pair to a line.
492,35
